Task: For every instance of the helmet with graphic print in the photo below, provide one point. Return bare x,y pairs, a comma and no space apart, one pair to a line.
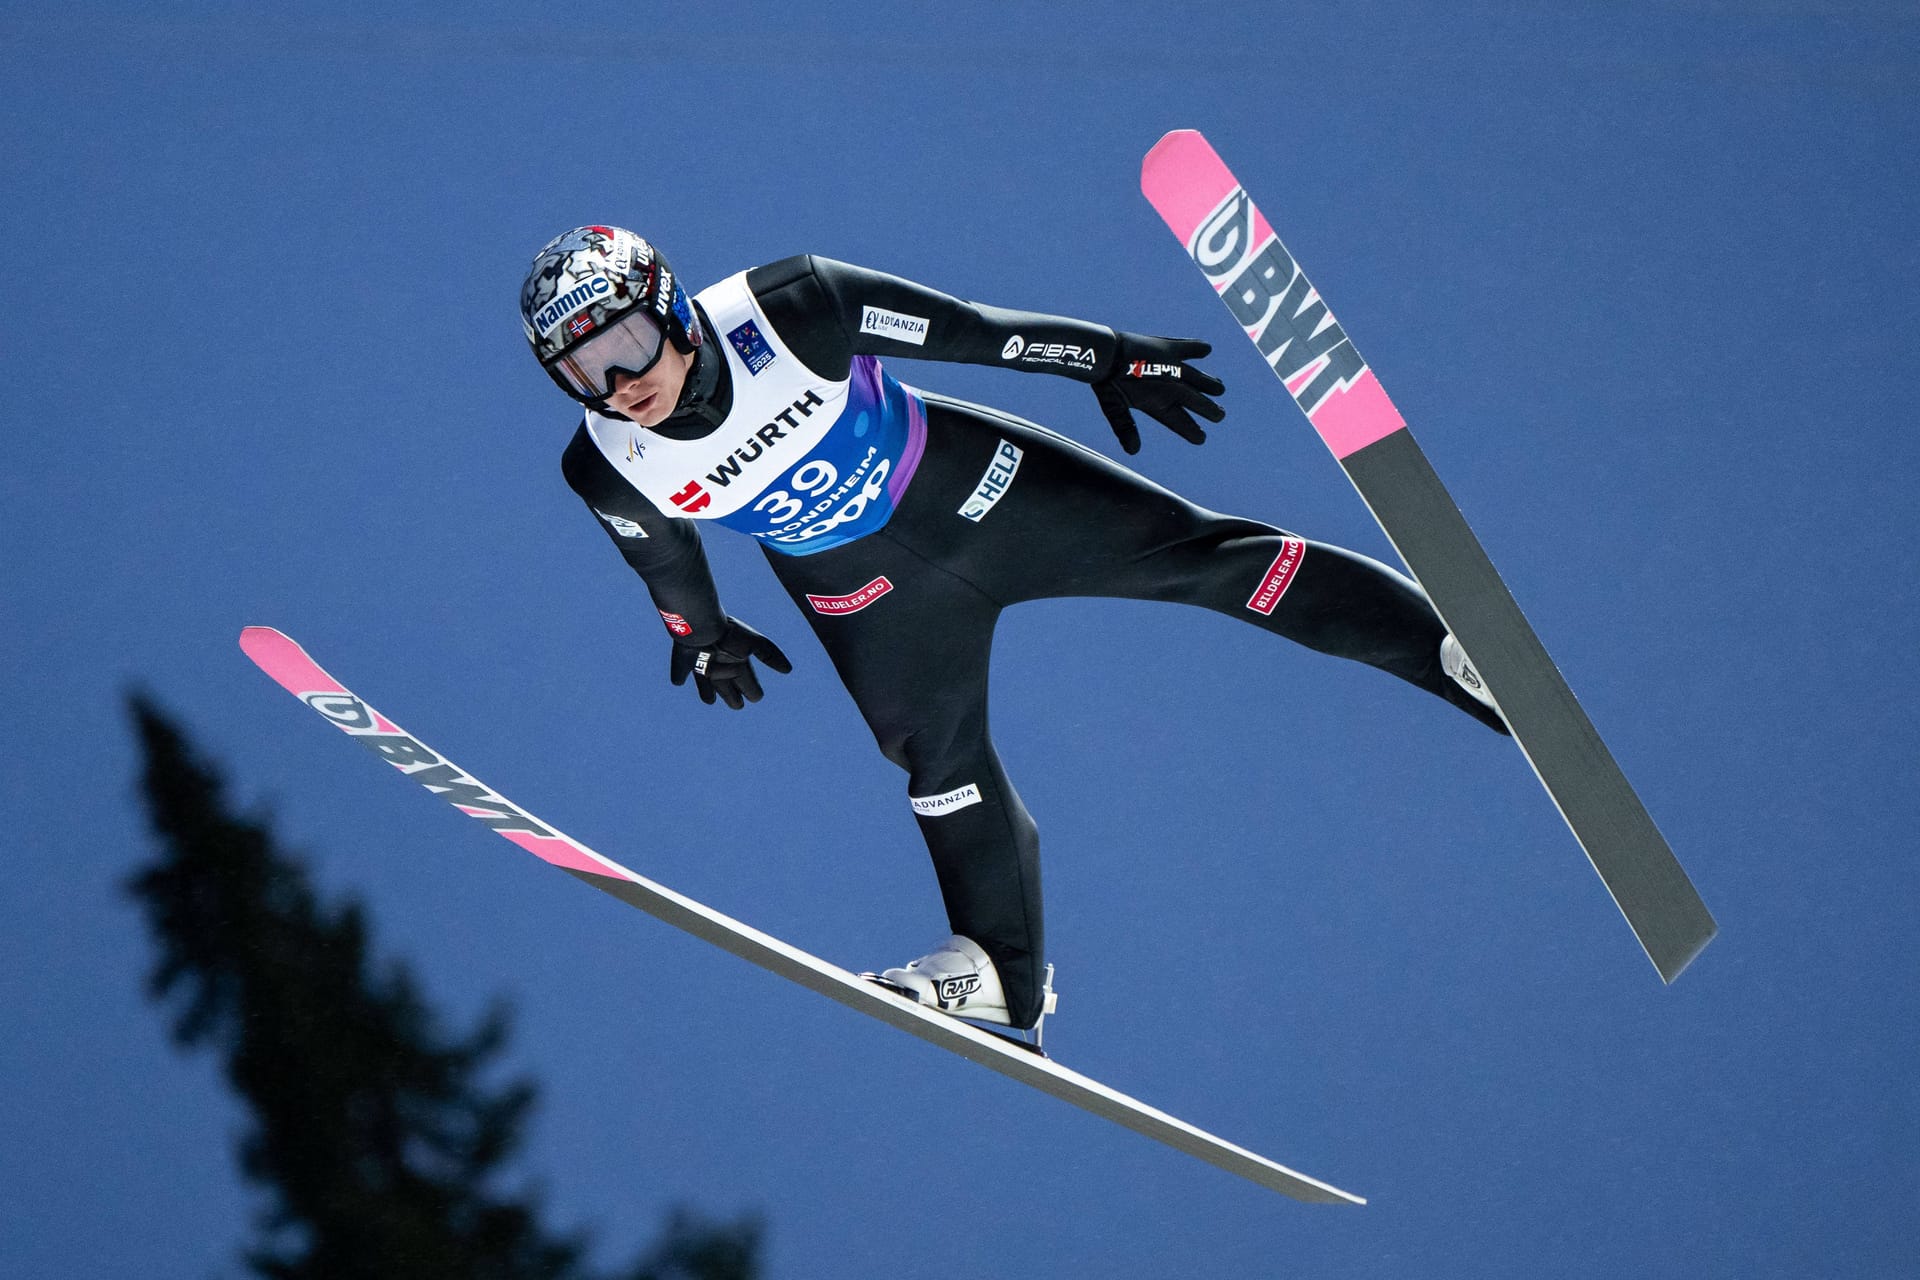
598,300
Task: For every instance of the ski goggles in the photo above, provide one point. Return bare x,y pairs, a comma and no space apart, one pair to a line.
631,344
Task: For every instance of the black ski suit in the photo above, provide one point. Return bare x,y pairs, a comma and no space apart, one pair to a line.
997,510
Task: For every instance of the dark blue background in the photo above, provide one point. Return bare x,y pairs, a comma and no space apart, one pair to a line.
1643,278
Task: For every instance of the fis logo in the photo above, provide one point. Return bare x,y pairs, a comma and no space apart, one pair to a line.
1275,303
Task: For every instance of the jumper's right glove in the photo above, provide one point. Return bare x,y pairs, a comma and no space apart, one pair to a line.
724,669
1153,376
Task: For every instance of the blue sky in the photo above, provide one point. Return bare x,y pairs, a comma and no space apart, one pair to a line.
1642,278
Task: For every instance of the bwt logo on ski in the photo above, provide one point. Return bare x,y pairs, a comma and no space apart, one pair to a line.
418,762
1275,303
343,709
547,317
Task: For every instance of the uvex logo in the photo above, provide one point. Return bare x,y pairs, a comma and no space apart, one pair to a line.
1276,304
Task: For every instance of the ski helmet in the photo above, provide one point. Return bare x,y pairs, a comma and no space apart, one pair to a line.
605,284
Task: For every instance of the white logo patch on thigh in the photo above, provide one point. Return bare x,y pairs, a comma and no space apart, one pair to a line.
939,806
994,483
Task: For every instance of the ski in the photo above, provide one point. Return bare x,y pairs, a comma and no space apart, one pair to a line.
1231,242
290,666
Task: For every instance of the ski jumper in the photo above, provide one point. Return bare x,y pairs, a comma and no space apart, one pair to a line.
902,522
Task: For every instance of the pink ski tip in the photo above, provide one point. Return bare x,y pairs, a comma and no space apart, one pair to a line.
264,644
1172,140
1185,180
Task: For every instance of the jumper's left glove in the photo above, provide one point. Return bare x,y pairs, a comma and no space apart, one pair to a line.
724,669
1153,376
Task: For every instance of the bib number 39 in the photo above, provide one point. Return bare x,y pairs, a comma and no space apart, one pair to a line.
811,478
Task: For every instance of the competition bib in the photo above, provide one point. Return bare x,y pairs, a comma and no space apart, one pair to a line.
801,462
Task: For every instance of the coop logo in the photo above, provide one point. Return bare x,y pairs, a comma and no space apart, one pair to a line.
417,761
854,602
1279,576
547,318
939,806
1276,304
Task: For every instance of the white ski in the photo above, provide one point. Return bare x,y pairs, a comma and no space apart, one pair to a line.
295,671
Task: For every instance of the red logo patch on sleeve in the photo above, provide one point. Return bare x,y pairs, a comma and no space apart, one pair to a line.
1279,576
853,603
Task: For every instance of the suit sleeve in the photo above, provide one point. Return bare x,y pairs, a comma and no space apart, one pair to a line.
827,312
664,550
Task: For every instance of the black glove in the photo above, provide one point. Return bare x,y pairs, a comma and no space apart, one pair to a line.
1151,375
724,669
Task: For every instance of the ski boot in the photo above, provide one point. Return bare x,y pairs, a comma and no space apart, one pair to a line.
1453,660
958,978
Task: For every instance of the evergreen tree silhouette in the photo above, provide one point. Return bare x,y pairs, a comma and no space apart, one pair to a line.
371,1131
